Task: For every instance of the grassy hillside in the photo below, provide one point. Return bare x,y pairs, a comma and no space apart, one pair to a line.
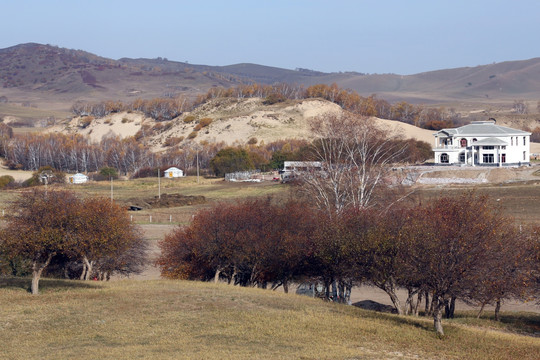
190,320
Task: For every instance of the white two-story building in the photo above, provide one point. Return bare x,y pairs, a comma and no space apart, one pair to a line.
482,143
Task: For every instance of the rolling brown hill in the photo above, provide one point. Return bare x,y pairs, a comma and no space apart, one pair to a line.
500,81
44,74
52,78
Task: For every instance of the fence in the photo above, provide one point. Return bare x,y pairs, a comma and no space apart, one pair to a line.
158,218
254,175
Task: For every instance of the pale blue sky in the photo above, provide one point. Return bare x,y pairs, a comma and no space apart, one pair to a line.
377,36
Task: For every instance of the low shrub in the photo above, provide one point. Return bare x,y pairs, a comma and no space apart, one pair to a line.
5,181
86,121
173,140
189,118
205,122
274,98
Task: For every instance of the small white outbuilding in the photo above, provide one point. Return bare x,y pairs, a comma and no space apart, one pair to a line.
78,178
173,173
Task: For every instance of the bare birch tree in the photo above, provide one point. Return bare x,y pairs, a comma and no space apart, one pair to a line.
355,156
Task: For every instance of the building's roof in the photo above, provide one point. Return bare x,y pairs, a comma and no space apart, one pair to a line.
79,175
302,163
173,169
483,128
490,141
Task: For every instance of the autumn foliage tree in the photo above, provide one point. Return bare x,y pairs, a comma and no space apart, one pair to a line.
40,227
449,243
43,224
107,235
253,242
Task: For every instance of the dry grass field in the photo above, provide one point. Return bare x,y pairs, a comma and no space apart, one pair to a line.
191,320
156,319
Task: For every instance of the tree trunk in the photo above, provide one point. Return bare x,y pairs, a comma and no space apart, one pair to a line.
427,307
286,286
452,307
418,301
410,303
432,305
233,276
89,266
83,273
348,291
334,291
449,307
341,291
481,310
36,274
327,289
437,316
389,287
216,276
498,310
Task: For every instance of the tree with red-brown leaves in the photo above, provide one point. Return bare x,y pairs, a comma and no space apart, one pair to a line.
107,240
42,224
39,227
449,243
507,273
249,243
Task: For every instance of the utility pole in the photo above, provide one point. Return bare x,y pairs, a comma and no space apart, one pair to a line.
159,184
197,165
112,197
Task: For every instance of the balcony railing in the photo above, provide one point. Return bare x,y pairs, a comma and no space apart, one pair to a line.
442,147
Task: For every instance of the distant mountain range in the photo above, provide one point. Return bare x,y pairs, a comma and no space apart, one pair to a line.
45,74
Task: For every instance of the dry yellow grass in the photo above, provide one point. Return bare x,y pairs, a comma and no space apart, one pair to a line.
191,320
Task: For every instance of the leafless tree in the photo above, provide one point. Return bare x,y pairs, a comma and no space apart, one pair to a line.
355,156
520,107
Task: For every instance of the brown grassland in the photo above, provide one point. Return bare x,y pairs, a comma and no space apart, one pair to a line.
159,319
190,320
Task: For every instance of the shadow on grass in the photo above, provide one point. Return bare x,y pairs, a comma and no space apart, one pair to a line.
379,311
46,285
375,306
525,323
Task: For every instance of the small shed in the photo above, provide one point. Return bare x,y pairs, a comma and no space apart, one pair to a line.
173,173
78,178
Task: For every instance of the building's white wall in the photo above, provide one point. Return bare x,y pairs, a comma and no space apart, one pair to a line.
517,151
173,173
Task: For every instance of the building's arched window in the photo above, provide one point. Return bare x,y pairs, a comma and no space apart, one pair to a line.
474,140
463,142
444,158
